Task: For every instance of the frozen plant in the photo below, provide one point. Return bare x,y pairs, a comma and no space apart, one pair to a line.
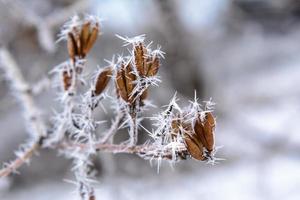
178,133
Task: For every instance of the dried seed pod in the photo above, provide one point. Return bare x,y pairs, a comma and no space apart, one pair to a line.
91,40
194,147
84,36
121,84
140,53
102,80
72,46
67,79
125,83
130,78
209,128
153,66
205,131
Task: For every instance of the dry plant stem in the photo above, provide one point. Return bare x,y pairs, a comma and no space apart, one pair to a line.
123,148
14,165
22,93
133,129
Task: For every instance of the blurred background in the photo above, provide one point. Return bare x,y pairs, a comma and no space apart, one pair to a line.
244,54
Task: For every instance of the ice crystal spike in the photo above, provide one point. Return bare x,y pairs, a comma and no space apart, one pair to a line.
134,40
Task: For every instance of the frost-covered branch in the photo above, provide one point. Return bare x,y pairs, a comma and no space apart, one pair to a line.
22,92
34,124
25,155
178,132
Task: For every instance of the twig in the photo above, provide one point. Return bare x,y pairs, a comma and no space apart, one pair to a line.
151,151
22,93
19,161
35,125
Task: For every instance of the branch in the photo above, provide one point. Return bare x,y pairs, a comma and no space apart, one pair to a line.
23,93
35,125
147,151
19,161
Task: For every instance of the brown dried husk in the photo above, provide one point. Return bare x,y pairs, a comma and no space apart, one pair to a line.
102,80
153,66
140,53
72,46
205,131
67,79
91,40
121,84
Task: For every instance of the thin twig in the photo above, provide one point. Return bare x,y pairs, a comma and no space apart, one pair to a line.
19,161
22,92
150,151
35,125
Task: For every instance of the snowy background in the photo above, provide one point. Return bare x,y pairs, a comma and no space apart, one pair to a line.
242,53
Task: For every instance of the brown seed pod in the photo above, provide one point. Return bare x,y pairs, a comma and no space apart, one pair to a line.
121,83
84,36
67,79
140,53
72,46
205,131
194,146
153,66
209,128
102,80
130,78
91,40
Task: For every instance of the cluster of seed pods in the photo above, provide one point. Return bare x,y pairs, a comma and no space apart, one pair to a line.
130,74
81,36
198,135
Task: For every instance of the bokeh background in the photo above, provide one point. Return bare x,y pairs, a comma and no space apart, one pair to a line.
244,54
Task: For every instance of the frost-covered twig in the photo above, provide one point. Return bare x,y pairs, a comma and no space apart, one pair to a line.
146,150
21,91
35,125
12,166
